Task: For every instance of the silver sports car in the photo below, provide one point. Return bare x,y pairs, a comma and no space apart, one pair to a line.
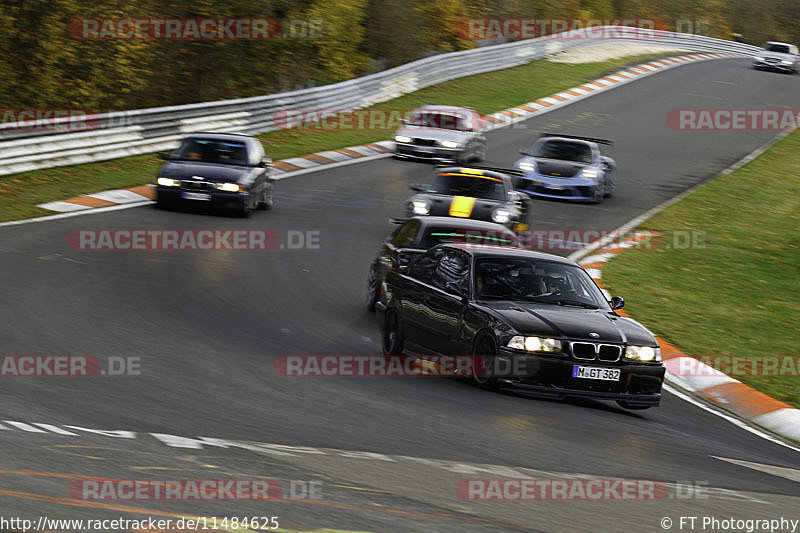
441,133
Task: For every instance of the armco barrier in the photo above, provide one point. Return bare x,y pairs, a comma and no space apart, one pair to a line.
113,135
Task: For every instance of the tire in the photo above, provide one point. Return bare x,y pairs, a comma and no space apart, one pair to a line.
599,195
484,349
626,405
480,154
245,210
392,337
610,186
265,203
373,286
526,210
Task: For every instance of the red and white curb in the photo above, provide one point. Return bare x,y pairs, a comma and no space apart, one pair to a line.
132,195
704,380
308,163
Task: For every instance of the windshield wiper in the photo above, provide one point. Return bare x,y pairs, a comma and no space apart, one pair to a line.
577,303
559,301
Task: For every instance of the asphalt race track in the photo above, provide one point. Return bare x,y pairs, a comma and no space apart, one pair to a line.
208,326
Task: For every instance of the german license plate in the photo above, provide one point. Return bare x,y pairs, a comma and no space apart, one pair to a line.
594,372
196,196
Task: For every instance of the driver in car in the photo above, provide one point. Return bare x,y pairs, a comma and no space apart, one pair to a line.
555,285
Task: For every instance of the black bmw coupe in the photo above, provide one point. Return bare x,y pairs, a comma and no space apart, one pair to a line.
536,323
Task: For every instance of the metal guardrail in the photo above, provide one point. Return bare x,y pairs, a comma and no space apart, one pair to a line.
114,135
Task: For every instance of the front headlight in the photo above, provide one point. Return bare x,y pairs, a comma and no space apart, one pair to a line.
168,182
534,344
527,166
501,215
643,353
420,207
402,139
590,173
449,144
229,187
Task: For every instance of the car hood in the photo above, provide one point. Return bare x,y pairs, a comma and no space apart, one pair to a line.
570,322
560,169
205,171
434,134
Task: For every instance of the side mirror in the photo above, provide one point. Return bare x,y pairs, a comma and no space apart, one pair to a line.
265,162
404,121
166,156
617,302
416,187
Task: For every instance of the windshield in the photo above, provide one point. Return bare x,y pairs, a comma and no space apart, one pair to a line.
443,121
458,184
534,280
213,151
443,234
780,48
565,151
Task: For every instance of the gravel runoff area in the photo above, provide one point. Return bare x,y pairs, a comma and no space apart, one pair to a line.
606,52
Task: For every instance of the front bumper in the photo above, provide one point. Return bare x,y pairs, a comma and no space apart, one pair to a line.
773,66
218,199
516,223
551,377
430,153
564,189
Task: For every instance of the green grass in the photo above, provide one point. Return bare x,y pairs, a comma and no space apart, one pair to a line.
741,294
490,92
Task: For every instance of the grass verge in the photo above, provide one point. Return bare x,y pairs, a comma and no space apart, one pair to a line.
740,294
489,92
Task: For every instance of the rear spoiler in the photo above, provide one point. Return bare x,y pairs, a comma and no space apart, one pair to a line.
590,139
502,170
